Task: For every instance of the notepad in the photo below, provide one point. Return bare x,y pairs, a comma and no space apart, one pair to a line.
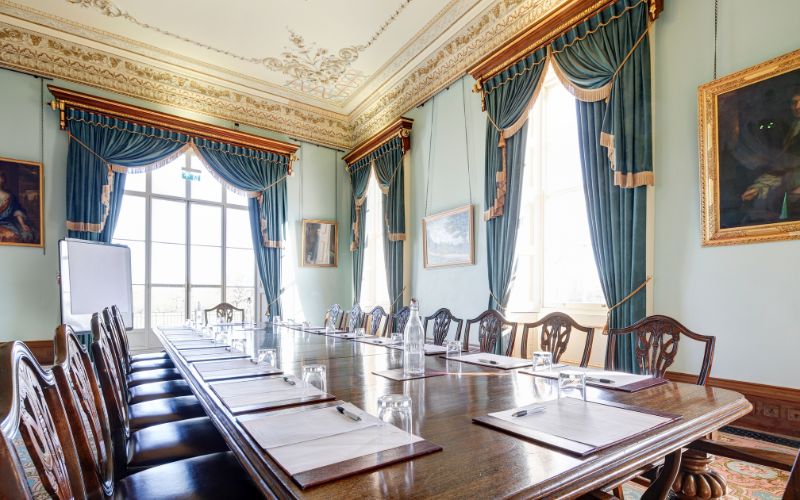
384,341
211,354
267,392
234,368
492,360
622,381
430,349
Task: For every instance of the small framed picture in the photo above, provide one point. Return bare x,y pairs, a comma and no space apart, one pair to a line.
448,238
21,203
320,245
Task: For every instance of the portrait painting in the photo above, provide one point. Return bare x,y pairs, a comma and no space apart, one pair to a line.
21,203
448,238
320,243
750,154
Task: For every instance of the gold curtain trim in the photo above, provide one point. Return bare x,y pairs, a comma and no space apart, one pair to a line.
633,180
582,94
84,226
105,194
396,236
375,157
607,141
273,244
513,77
498,207
515,127
627,297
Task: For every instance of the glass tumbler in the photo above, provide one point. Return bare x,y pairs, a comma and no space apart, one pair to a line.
453,348
315,375
395,409
571,381
267,358
542,361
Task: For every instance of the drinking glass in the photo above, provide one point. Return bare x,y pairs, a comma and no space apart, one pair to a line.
397,338
542,361
571,380
453,348
315,375
360,332
267,358
395,409
208,332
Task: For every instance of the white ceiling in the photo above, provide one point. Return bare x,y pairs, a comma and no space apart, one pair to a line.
334,54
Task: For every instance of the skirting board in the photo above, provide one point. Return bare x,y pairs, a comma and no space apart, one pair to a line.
776,410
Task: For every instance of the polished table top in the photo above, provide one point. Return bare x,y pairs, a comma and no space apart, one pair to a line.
476,461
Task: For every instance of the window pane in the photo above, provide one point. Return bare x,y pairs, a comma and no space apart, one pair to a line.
238,228
136,182
239,267
207,188
206,227
562,165
206,265
204,298
167,305
138,307
168,264
243,298
131,222
169,221
235,199
168,180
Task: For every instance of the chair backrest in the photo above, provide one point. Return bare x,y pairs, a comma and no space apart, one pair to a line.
223,313
355,318
334,314
80,393
397,321
116,327
374,319
792,491
114,389
491,326
656,341
442,320
555,335
37,452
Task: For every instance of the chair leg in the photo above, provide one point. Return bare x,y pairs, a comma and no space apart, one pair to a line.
660,488
696,479
619,493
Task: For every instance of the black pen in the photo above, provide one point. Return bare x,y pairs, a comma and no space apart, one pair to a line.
600,380
529,411
348,414
289,381
489,361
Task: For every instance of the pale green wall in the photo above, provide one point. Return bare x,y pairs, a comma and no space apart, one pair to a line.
443,170
29,300
745,295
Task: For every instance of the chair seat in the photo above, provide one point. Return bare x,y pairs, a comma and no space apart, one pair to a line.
164,443
151,364
164,410
147,356
158,390
210,477
147,376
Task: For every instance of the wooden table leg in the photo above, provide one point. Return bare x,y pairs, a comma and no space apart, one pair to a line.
696,479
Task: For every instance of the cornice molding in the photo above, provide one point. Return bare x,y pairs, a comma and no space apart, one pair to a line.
401,128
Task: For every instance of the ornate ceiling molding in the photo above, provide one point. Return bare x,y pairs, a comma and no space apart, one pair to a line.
48,55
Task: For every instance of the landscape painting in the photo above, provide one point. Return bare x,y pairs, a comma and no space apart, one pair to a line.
448,238
21,200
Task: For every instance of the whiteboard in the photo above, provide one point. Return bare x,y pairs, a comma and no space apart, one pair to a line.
94,276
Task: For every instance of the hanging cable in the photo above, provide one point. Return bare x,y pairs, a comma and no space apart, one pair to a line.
716,28
430,148
466,137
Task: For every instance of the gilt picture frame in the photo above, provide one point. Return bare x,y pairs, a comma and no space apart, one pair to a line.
320,243
749,139
21,203
448,238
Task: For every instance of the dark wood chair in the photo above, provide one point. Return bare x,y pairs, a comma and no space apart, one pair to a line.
397,321
223,313
491,326
155,445
114,321
656,339
442,319
374,318
135,358
556,331
354,319
334,314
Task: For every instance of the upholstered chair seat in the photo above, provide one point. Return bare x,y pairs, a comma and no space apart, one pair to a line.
164,443
158,390
148,376
148,356
151,364
161,411
206,477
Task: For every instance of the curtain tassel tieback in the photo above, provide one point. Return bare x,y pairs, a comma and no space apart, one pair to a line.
627,297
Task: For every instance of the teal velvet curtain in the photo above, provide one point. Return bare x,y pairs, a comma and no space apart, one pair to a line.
389,170
261,176
359,180
94,189
605,63
508,98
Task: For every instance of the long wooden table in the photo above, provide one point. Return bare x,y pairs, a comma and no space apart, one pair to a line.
476,461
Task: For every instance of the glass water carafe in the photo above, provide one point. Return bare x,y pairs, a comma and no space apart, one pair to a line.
414,343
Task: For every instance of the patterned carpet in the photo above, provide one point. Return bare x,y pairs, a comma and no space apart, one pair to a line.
745,480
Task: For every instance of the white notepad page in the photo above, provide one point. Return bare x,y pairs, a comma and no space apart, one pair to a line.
502,361
263,390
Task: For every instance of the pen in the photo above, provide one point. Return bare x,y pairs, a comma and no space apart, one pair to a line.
600,380
348,414
289,381
491,362
529,411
